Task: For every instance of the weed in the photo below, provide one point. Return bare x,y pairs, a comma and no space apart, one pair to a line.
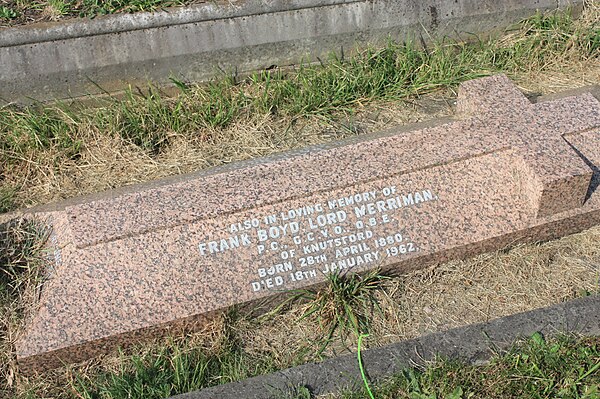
159,375
7,199
151,121
60,7
21,260
298,393
217,104
21,242
172,368
180,84
33,129
361,367
20,12
144,120
565,367
303,393
92,8
550,365
8,13
345,304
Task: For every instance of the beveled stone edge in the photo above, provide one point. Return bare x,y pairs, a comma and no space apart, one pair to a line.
402,129
473,343
233,166
594,90
214,170
74,354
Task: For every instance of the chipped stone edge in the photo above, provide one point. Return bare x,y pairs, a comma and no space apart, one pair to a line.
473,343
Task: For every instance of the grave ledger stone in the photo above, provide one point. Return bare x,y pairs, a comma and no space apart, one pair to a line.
140,261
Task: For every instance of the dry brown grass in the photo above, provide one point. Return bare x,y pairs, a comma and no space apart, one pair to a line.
109,161
437,298
577,74
440,297
491,286
106,160
450,295
21,276
573,68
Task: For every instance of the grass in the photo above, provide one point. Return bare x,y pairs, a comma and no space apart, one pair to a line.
7,13
28,130
346,304
42,143
363,375
172,368
7,195
337,87
22,12
565,367
562,367
21,242
21,260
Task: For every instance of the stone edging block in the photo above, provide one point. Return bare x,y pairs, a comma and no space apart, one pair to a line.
472,344
76,57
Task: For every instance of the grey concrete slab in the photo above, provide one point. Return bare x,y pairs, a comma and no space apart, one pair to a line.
472,343
79,57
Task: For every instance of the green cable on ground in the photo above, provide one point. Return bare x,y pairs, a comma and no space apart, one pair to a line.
360,366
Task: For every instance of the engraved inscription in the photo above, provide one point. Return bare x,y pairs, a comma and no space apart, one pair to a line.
321,238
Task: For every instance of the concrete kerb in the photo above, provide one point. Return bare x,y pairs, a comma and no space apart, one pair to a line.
473,344
117,23
80,57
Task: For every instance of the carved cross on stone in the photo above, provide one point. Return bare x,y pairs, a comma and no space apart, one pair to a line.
148,259
557,178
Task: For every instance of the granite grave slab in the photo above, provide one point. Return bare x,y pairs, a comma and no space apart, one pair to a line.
143,260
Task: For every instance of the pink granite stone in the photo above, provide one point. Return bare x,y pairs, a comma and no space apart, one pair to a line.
146,259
